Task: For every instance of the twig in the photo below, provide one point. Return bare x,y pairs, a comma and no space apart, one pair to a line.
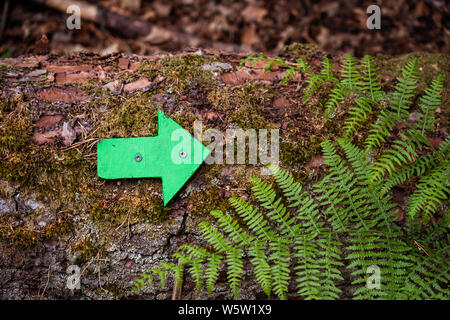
99,268
420,247
48,280
78,144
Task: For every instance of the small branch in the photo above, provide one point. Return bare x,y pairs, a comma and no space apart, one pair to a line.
48,280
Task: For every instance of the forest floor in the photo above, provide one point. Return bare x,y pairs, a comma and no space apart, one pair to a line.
239,26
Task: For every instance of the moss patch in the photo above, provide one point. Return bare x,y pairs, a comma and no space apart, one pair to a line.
85,250
25,238
243,105
305,50
127,208
213,198
182,70
135,116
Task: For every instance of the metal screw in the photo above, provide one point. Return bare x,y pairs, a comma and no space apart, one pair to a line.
183,154
138,158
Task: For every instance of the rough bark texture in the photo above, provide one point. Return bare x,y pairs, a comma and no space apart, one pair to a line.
56,212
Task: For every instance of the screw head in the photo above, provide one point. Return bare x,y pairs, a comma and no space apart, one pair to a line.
138,158
183,154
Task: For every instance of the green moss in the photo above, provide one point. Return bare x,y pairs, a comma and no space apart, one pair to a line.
185,119
86,250
211,171
4,68
114,289
305,50
182,70
15,138
15,132
147,69
294,154
128,209
243,105
3,105
136,116
210,199
25,238
64,180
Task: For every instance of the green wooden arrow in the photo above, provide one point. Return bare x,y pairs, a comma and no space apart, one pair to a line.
173,155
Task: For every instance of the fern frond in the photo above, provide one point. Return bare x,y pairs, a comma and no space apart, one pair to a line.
194,256
288,76
252,217
232,228
178,269
280,257
340,193
303,65
359,113
428,278
193,251
370,81
327,69
307,270
358,158
235,269
314,82
429,102
214,237
212,271
402,152
404,89
337,95
196,272
277,212
381,129
417,168
399,105
330,259
307,213
382,249
262,269
350,75
163,272
432,190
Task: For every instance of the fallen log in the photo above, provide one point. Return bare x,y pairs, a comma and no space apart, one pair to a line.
55,212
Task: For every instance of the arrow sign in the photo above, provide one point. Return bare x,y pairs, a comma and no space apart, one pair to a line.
173,155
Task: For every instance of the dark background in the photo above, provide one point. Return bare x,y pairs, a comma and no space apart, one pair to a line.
252,25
